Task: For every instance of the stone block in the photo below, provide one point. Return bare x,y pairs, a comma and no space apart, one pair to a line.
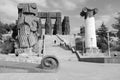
27,8
52,15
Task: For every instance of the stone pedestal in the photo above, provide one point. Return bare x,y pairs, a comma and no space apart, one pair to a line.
92,50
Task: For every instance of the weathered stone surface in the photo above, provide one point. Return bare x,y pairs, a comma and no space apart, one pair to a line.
48,16
88,12
28,25
39,31
48,25
52,15
30,8
22,37
66,26
57,26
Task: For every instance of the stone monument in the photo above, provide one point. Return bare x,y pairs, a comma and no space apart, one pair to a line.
66,26
48,25
28,27
57,26
90,33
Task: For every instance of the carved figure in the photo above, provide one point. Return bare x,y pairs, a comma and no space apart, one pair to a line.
48,25
28,25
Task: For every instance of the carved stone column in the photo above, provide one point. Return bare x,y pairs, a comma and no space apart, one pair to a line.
90,33
57,26
48,25
66,26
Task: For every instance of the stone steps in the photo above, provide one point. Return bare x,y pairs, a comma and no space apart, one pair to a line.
56,50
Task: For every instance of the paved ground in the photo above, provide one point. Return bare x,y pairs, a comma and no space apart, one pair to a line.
71,71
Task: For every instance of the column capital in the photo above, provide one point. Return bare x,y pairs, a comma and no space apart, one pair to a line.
86,12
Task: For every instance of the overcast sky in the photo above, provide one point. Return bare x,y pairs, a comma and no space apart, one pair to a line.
107,10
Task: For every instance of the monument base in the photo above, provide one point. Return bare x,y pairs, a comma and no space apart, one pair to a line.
105,59
26,52
93,52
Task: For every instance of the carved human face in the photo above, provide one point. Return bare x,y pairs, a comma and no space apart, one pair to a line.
88,12
27,8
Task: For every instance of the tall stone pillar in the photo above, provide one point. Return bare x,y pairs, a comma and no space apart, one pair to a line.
58,24
90,33
48,25
55,28
66,26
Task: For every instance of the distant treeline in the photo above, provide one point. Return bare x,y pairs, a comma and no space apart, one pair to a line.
5,28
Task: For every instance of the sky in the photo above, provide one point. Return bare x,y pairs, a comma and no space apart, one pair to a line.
108,10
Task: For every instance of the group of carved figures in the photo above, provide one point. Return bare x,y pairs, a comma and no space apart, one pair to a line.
29,26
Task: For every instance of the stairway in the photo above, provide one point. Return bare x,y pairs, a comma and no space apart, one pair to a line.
55,49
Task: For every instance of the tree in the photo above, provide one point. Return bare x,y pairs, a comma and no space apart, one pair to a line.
102,39
102,31
8,45
117,25
82,31
4,28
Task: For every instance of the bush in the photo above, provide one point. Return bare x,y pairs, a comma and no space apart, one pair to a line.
7,46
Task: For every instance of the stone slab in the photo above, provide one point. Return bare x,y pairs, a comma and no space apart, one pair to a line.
52,15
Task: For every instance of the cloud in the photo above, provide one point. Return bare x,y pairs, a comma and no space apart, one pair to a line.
103,18
66,4
55,3
77,16
63,4
109,8
42,3
116,14
8,11
69,5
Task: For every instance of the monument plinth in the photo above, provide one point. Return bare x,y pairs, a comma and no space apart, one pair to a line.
90,33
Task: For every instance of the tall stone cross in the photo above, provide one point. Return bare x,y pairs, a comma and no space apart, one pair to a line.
90,33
